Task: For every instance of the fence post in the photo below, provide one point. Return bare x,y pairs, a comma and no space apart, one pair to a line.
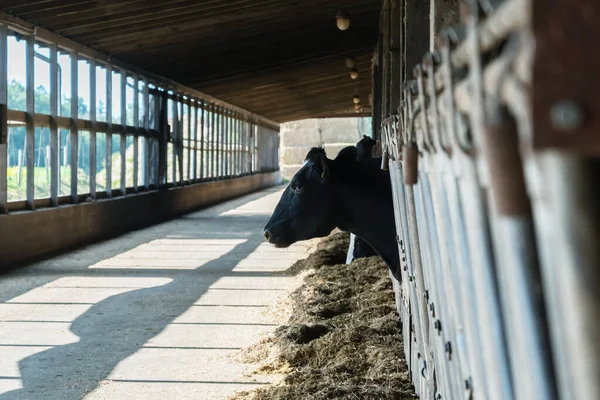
3,120
30,123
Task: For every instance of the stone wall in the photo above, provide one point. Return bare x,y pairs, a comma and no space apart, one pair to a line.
298,137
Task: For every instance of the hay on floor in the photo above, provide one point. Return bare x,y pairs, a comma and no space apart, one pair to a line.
343,337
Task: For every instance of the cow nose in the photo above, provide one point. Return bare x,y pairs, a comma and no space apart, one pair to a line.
267,235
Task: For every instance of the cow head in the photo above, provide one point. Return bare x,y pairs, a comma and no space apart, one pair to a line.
365,147
306,209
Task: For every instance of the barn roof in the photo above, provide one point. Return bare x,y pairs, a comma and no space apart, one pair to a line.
281,59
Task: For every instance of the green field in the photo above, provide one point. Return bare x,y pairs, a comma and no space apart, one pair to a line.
17,189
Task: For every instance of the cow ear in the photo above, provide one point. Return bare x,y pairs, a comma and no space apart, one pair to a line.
317,156
324,169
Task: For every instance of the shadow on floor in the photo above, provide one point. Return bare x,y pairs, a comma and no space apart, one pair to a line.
110,331
118,326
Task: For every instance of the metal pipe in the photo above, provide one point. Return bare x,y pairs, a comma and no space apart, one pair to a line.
74,134
93,118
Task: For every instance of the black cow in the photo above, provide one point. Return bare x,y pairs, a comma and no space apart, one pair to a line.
359,248
355,196
365,148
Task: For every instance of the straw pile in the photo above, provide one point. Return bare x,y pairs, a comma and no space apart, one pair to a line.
342,339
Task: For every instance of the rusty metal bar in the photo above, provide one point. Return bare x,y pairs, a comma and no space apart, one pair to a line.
565,102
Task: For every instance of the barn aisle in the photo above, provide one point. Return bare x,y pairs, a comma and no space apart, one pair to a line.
154,314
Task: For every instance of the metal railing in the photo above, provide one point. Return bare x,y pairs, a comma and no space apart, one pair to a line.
114,131
499,281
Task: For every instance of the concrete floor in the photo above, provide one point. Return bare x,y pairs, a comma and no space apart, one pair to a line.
155,314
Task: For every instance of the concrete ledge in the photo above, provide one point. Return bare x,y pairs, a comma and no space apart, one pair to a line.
27,236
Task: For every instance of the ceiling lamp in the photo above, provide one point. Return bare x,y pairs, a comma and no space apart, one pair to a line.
356,99
342,21
350,61
354,73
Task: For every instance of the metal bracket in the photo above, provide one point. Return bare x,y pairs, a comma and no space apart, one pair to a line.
566,107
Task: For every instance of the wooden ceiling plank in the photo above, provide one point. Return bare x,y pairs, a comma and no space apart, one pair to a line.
157,28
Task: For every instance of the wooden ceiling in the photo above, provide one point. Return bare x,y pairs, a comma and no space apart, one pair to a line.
281,59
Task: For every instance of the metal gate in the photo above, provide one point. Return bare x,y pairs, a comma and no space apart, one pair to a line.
491,156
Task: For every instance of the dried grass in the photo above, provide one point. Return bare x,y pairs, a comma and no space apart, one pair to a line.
342,339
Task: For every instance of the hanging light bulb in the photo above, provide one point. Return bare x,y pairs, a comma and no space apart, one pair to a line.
354,73
350,61
357,108
356,99
342,21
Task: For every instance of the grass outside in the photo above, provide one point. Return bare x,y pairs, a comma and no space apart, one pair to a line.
17,188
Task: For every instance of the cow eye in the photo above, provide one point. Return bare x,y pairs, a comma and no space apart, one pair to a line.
297,188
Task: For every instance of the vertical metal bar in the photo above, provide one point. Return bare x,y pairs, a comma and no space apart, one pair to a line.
254,146
180,141
221,142
248,146
74,117
241,143
189,141
233,146
109,106
213,121
227,143
220,130
224,130
519,278
206,133
202,108
238,130
174,138
569,199
197,110
149,140
94,119
123,133
162,108
243,139
259,139
30,124
136,124
54,99
3,119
